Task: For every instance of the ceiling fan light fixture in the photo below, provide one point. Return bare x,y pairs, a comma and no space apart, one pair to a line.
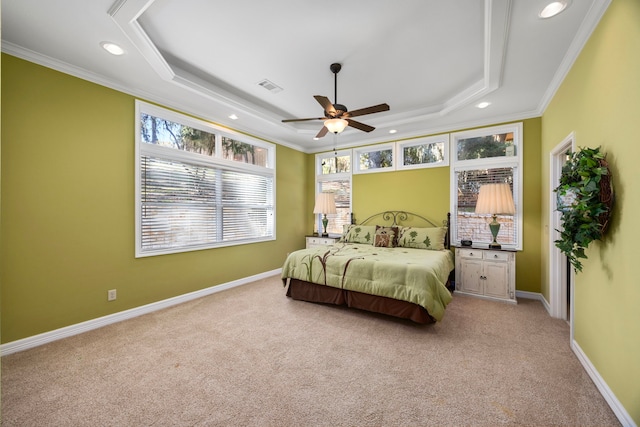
336,125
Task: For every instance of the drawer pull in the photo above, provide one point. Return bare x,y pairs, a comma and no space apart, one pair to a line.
495,256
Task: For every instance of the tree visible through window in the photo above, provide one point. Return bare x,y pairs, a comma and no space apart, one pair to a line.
374,159
159,131
426,152
419,154
489,146
243,152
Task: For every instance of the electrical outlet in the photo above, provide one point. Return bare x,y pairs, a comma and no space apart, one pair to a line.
111,295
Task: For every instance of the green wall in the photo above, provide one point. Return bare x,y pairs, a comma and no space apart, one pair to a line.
423,191
68,209
426,192
599,101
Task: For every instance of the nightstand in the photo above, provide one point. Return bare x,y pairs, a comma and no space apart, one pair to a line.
486,273
320,241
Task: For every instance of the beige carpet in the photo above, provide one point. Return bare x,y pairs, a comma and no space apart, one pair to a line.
250,356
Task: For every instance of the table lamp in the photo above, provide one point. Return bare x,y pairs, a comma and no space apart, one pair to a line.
495,199
325,204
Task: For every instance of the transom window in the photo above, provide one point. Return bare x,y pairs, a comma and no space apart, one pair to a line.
376,158
417,153
423,152
199,186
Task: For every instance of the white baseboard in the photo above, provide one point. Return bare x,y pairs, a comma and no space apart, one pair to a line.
603,388
68,331
536,296
601,385
617,408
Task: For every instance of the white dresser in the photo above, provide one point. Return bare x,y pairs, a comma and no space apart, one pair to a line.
486,273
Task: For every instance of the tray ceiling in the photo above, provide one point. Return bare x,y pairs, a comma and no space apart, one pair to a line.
431,61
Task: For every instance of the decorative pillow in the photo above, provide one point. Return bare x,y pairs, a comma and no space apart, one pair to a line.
386,237
422,238
359,234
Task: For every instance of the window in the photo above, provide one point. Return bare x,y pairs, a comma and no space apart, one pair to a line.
423,153
377,158
244,152
333,174
199,186
483,156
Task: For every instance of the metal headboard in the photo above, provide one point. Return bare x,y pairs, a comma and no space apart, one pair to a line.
395,217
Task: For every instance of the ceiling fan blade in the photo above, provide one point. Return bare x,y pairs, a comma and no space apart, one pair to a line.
322,132
368,110
360,126
303,120
326,104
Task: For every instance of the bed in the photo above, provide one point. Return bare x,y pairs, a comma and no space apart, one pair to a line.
379,265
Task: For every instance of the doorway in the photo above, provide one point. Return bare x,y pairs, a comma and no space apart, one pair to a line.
561,275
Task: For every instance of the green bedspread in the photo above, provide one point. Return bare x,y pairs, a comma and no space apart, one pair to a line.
414,275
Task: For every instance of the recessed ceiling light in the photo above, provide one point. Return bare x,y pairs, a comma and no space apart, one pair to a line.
553,8
233,117
484,104
393,131
112,48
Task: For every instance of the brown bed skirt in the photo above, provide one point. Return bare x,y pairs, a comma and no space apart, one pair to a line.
306,291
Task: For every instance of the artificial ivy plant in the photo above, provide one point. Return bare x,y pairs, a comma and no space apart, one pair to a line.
585,199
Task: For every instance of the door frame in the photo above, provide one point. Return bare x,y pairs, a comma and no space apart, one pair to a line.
557,260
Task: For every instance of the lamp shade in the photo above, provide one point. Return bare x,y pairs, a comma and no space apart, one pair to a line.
336,125
495,199
325,204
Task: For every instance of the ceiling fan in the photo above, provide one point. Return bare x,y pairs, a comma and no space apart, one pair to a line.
336,116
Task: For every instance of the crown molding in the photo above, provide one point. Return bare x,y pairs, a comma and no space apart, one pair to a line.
125,14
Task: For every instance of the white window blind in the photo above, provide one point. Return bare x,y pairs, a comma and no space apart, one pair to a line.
341,190
473,226
247,206
178,204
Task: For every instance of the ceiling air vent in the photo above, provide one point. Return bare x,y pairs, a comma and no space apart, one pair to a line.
270,86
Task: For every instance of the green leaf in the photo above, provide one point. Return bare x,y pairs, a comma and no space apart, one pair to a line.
581,174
